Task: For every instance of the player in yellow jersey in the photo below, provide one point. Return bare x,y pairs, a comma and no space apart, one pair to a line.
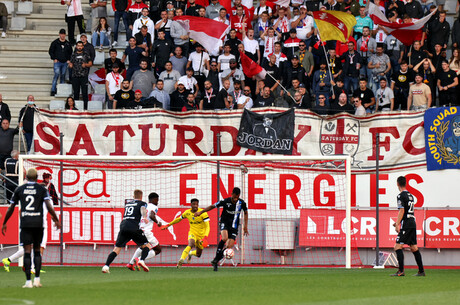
198,233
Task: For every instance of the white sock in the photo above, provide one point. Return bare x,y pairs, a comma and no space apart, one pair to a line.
17,255
151,254
136,255
28,282
36,279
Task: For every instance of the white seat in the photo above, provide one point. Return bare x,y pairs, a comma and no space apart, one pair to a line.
64,90
18,23
80,105
25,7
57,105
100,89
99,59
9,6
95,105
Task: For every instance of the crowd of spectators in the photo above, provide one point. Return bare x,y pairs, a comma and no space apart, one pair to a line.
372,70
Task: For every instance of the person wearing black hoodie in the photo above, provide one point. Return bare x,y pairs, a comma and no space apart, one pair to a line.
60,51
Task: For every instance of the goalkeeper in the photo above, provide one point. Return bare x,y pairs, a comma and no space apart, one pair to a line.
198,233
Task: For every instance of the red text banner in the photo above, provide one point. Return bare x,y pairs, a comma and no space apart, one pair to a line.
162,133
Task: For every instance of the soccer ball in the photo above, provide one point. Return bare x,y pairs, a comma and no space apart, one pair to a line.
229,253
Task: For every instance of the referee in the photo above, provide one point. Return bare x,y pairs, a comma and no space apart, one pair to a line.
406,229
31,197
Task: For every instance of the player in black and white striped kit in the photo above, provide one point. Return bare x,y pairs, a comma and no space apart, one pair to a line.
31,197
406,228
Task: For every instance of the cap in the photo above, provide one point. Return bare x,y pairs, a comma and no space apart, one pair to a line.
169,2
382,78
303,6
180,83
301,85
233,60
46,175
83,34
61,31
138,91
295,57
292,31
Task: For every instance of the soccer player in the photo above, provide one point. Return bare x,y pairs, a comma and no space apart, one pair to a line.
406,229
31,196
229,221
197,234
147,227
135,209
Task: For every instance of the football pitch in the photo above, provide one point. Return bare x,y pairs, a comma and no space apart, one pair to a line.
242,286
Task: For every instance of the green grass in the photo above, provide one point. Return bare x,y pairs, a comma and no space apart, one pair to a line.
242,286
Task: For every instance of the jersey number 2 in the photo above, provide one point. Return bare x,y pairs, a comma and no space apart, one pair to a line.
30,200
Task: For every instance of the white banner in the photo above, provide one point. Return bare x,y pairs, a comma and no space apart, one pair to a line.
162,133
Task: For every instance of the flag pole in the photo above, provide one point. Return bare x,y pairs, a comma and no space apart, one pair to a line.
327,60
285,90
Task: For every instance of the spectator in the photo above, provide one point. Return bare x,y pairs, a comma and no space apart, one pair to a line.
236,93
419,95
223,61
251,46
413,9
454,64
164,23
178,61
113,59
321,108
223,17
342,105
74,14
301,98
270,36
362,21
384,96
124,97
415,56
437,57
169,77
193,8
294,70
134,13
281,58
190,105
439,31
366,48
144,20
11,166
365,94
199,61
180,36
4,18
80,62
143,79
428,71
223,101
283,23
213,9
144,40
337,89
101,35
70,104
87,47
400,83
6,141
380,65
98,10
50,187
179,97
234,42
456,34
307,62
273,80
26,120
262,8
161,95
395,50
291,45
60,51
4,110
134,54
213,75
113,82
360,110
245,100
208,100
190,82
447,81
137,102
161,52
291,91
120,7
332,5
322,81
239,22
264,100
304,25
233,74
351,67
334,64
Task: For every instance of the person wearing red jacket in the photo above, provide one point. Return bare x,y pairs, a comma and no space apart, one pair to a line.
240,21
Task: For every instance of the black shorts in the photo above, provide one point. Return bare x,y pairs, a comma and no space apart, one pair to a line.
232,232
407,237
29,236
124,236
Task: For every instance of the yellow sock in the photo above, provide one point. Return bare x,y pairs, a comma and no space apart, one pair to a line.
185,252
193,253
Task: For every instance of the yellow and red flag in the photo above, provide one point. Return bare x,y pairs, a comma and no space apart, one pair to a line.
333,25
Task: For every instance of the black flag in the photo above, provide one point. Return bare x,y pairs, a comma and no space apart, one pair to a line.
269,133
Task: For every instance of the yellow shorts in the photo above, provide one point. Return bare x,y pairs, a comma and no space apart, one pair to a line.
197,239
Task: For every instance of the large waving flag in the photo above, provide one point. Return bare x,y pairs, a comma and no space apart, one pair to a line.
334,25
407,33
251,68
282,3
205,31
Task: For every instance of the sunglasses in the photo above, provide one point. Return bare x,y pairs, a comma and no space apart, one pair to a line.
302,45
321,98
213,65
246,90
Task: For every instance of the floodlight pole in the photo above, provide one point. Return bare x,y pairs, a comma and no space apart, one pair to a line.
377,227
61,203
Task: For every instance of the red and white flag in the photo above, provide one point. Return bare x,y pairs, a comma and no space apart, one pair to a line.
251,68
407,33
282,3
205,31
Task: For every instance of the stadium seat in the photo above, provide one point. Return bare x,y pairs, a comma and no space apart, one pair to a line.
80,105
57,105
100,57
25,7
100,89
110,12
18,23
64,90
95,105
9,6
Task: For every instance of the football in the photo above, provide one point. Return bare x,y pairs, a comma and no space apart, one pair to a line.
228,253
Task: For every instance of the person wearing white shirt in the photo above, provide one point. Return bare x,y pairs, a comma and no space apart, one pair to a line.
262,8
251,45
304,25
74,13
199,61
113,82
360,110
283,23
245,101
144,20
223,61
189,81
223,17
